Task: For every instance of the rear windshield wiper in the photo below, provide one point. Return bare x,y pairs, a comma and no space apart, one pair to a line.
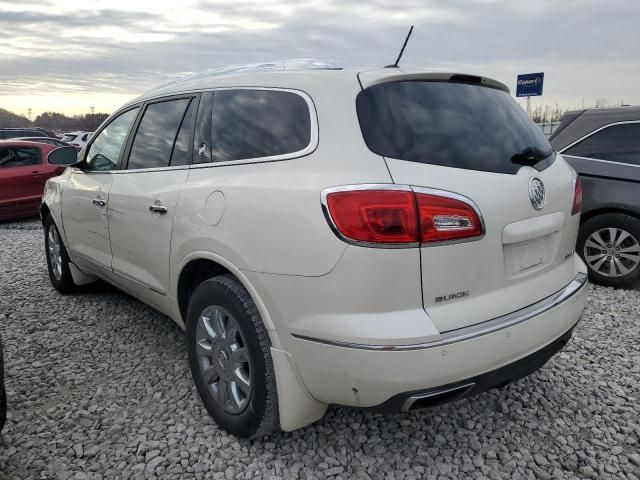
530,156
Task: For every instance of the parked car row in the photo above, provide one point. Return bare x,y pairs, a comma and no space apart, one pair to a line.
77,139
7,133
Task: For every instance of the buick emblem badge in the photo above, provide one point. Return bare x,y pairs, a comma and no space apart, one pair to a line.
537,194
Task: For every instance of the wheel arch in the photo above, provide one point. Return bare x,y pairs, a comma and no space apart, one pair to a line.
45,211
197,267
606,210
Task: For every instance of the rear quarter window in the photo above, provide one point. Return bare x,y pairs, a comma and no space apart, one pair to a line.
449,124
615,143
12,157
253,124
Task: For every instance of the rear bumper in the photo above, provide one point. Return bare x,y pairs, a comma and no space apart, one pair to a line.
497,378
485,355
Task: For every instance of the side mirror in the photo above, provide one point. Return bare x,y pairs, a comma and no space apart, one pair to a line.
63,156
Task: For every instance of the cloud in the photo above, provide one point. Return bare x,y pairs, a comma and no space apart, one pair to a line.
72,47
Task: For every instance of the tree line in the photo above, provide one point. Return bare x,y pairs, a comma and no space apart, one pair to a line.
55,121
554,113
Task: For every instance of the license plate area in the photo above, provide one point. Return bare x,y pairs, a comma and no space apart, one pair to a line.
528,255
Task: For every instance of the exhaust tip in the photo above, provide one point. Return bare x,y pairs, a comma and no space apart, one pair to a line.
436,397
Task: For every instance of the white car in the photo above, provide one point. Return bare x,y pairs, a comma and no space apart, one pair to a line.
77,139
378,239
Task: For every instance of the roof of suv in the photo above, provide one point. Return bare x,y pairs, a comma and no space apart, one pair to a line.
578,123
299,73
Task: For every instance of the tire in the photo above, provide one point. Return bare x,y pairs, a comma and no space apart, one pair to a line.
3,393
230,358
599,250
59,272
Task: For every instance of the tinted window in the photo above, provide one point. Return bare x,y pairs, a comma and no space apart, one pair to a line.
258,123
106,147
181,149
618,143
156,134
449,124
19,157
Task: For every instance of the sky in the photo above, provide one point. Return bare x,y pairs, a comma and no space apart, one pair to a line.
68,56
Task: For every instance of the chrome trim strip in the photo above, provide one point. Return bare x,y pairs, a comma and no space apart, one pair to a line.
613,124
473,331
601,161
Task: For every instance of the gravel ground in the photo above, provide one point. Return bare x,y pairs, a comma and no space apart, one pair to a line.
99,387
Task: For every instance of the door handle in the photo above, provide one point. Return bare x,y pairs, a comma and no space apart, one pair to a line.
158,209
99,202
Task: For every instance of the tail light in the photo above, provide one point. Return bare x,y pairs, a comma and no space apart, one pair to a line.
395,215
447,218
577,196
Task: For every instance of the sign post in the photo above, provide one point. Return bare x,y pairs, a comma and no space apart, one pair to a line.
529,85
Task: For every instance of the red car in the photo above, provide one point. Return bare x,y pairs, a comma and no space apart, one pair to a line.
23,173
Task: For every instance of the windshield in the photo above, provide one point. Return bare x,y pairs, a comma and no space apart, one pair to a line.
450,124
68,138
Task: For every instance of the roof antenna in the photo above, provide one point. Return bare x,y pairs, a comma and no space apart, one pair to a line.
395,65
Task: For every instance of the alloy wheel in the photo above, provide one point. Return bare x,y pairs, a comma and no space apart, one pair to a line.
223,358
612,252
55,252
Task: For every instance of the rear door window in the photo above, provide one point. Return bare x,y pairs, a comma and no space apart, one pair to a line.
19,157
157,133
450,124
181,154
249,124
616,143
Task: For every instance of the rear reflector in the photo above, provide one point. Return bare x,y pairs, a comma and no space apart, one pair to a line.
398,216
577,196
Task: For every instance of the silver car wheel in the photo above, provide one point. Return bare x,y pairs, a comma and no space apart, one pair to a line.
612,252
223,359
55,252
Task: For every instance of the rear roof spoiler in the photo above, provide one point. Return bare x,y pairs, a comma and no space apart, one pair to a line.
376,77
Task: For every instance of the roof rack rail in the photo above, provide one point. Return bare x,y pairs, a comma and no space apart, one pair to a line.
278,65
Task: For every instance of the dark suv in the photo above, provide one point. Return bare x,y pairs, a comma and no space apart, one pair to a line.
7,133
603,145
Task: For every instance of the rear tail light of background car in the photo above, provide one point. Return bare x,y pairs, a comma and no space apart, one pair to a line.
577,196
380,215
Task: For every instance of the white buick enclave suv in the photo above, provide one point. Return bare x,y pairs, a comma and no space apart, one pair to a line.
377,239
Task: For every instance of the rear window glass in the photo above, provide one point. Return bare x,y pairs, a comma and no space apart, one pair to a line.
617,143
449,124
258,123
